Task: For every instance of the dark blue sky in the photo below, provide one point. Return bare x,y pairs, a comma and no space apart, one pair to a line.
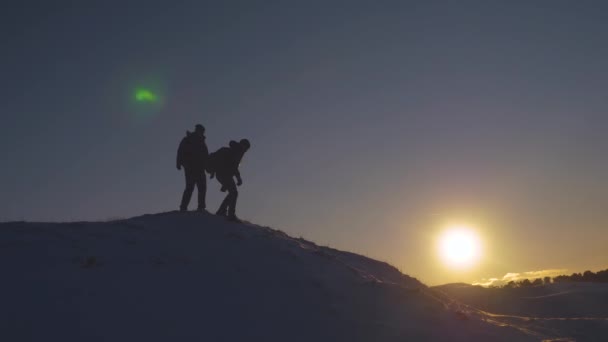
372,123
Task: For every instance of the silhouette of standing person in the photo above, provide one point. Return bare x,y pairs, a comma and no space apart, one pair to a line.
225,165
192,155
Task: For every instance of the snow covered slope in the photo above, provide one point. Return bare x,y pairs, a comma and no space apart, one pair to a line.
196,277
576,311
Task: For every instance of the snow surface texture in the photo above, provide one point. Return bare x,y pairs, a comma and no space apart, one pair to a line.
196,277
575,311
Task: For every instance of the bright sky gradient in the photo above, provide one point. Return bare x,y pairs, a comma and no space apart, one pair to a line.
373,124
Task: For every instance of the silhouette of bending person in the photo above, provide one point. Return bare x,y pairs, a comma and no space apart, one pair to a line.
192,154
225,166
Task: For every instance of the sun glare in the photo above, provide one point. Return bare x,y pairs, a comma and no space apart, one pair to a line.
459,247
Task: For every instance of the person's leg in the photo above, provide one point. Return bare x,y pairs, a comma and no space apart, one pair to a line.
229,202
223,209
201,184
233,194
190,181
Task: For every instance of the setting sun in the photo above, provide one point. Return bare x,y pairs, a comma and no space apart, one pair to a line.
459,247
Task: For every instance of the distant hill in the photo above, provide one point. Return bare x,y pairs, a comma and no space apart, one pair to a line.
577,310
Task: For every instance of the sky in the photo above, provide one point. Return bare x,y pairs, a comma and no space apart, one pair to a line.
374,124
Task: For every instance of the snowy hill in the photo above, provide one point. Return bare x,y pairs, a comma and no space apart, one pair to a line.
578,311
196,277
567,299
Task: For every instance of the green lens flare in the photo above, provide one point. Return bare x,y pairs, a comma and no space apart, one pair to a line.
145,95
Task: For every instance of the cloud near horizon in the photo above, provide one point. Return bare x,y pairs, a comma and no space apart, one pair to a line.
520,276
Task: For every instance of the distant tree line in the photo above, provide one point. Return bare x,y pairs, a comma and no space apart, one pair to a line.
587,276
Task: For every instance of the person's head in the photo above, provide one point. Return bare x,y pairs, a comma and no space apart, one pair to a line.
199,129
245,145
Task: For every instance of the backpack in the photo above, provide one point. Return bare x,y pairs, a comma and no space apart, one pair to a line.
222,160
215,160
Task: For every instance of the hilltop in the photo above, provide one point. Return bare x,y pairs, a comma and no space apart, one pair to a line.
187,276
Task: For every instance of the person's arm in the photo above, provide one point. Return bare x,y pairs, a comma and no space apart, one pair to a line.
180,156
237,174
205,154
206,158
